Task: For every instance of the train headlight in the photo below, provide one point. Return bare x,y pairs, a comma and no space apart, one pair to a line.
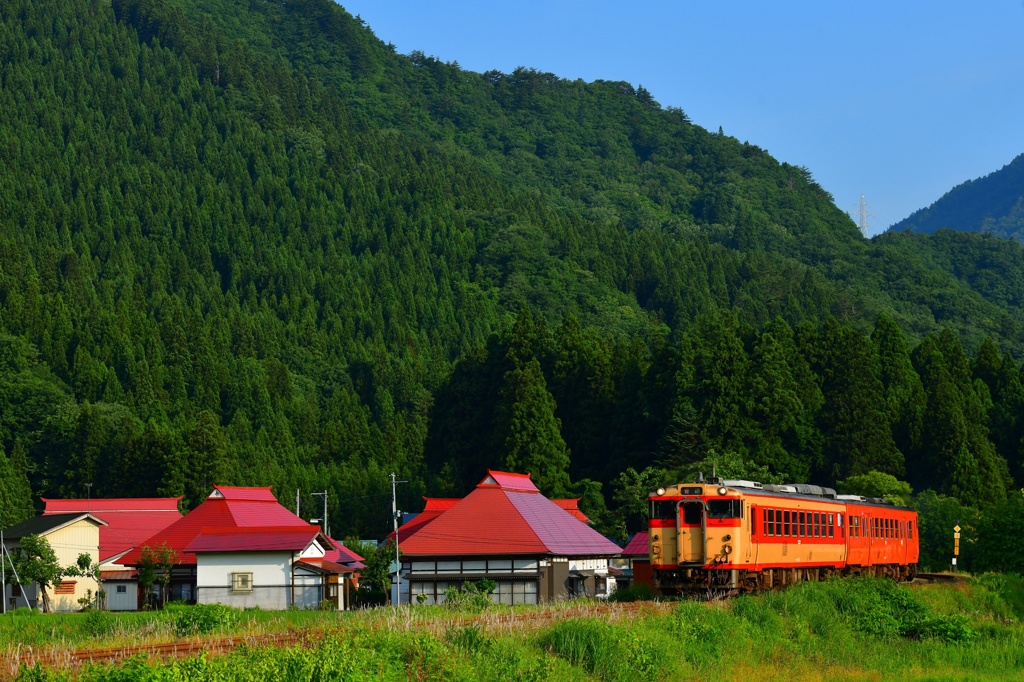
660,491
727,549
722,491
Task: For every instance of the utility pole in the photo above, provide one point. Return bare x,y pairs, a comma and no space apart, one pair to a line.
325,528
297,503
88,503
394,516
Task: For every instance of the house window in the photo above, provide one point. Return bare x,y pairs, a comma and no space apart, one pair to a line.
122,589
65,587
241,582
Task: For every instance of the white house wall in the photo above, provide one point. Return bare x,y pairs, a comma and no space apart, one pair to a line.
272,584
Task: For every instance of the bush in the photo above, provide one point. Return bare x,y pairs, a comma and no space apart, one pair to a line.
98,623
202,619
472,597
639,592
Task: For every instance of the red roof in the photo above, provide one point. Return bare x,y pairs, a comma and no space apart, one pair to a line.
226,507
506,514
119,575
341,554
253,539
435,506
509,481
573,507
638,546
130,520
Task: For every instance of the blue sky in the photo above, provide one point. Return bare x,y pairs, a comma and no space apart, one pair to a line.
900,101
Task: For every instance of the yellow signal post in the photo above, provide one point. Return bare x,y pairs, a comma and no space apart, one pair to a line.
956,545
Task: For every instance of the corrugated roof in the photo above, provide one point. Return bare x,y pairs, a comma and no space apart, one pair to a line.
572,505
440,503
238,493
40,525
342,554
509,481
637,546
506,514
129,520
255,539
131,574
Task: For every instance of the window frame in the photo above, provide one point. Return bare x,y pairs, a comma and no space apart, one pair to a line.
240,586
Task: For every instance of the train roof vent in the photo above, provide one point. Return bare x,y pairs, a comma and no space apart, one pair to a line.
880,500
742,484
828,492
807,489
775,488
852,498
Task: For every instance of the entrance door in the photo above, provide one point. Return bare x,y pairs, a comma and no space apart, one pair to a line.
691,532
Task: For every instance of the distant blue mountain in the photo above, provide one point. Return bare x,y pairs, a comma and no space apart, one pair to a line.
993,204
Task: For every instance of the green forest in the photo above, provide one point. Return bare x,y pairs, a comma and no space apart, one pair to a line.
993,204
246,242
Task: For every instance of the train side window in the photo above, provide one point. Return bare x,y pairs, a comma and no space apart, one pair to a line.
910,530
803,524
812,524
786,526
769,522
831,525
817,525
839,522
778,522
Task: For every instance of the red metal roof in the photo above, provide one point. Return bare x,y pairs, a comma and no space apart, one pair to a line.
253,539
119,575
572,506
637,546
225,507
440,503
506,514
237,493
509,481
130,520
343,555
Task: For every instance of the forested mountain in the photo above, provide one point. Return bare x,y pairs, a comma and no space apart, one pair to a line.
248,243
993,204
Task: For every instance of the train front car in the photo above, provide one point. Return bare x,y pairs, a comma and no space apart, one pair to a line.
699,537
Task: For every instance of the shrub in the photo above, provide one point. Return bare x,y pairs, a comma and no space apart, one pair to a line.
472,597
632,593
202,619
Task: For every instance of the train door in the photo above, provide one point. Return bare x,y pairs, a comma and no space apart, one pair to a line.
691,532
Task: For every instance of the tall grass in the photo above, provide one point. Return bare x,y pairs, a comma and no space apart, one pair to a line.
840,630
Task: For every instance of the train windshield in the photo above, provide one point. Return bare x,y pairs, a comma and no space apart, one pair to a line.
723,509
663,509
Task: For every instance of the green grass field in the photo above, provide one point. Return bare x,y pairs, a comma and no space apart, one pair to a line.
841,630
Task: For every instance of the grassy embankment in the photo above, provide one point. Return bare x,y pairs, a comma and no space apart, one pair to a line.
841,630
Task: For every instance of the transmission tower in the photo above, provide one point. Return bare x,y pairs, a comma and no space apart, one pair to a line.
862,215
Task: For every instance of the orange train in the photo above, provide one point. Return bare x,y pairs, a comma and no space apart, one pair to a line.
742,536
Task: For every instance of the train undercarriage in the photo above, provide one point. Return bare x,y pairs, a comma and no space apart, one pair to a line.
727,582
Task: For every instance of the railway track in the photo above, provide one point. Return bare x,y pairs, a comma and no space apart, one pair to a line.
53,657
939,578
